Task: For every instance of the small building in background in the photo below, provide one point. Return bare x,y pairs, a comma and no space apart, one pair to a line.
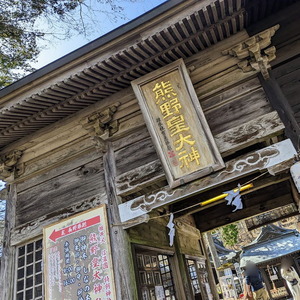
267,251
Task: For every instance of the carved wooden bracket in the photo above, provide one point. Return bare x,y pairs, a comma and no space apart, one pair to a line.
8,164
101,126
254,53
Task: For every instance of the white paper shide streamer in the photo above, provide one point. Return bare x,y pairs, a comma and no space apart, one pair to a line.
171,226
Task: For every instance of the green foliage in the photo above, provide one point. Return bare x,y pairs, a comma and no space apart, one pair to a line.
230,234
24,22
18,33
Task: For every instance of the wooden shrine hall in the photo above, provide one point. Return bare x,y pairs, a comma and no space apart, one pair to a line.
119,155
267,251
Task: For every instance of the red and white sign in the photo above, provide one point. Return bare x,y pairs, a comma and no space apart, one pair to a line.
78,263
56,234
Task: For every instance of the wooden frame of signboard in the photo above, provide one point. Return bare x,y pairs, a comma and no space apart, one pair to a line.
177,124
93,217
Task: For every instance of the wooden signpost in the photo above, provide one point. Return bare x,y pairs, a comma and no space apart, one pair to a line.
77,258
177,124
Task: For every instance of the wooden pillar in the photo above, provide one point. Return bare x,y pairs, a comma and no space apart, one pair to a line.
120,245
8,255
183,272
211,277
281,105
213,251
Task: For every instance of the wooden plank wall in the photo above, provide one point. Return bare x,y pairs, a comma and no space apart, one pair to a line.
60,192
62,165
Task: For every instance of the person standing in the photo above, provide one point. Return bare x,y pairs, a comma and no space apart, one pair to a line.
254,283
246,294
291,276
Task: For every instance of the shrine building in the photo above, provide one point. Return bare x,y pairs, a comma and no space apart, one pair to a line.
119,155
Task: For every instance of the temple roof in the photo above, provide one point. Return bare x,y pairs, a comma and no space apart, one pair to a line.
175,29
224,253
272,243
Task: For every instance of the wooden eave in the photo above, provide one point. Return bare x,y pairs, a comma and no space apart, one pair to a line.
96,73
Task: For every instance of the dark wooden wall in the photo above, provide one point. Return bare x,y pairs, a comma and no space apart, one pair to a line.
284,87
288,78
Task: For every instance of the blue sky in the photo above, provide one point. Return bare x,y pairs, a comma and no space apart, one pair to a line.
58,48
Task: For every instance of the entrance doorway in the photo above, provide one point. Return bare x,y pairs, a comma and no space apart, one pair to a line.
199,277
265,240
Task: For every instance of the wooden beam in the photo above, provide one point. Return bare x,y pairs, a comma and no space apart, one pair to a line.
236,168
293,214
69,188
261,201
228,142
258,185
209,268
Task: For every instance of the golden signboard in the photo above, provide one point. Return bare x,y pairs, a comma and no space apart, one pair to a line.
77,258
177,124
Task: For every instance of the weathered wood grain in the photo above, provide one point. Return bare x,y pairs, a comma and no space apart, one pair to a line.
221,81
69,129
249,133
211,61
152,234
129,124
139,134
280,103
138,178
135,155
59,139
230,94
210,69
61,191
287,77
238,111
287,51
54,163
228,142
23,233
120,244
236,168
7,270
